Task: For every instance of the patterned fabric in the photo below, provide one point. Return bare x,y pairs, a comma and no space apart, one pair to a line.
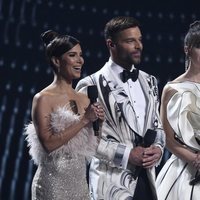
183,113
61,174
110,176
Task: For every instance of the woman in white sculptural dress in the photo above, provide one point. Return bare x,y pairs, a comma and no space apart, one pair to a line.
180,114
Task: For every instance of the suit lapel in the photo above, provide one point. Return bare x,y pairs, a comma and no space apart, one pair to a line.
120,97
145,82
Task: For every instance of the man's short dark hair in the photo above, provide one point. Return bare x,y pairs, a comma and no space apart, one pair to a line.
119,24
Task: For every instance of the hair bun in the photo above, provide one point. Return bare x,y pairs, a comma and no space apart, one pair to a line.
195,24
48,36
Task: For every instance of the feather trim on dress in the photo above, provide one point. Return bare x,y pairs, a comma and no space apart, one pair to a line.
84,143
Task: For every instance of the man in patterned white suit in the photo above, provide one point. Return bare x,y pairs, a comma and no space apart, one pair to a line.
132,138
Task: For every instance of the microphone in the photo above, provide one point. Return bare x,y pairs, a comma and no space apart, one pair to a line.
147,141
195,180
92,95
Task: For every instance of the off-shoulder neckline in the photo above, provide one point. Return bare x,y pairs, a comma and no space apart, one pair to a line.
189,81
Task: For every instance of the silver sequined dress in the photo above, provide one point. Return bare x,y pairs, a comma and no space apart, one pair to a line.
61,175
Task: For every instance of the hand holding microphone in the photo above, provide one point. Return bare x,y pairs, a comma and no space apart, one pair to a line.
97,108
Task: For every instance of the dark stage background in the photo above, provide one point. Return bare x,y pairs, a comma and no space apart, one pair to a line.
23,69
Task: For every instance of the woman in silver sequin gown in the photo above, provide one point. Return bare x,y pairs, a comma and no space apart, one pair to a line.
60,136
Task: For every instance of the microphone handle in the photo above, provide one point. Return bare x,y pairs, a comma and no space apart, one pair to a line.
95,123
96,127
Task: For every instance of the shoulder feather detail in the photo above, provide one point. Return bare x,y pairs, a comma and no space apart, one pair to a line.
36,150
84,143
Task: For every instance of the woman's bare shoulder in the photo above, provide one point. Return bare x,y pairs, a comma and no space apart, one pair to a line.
168,92
44,98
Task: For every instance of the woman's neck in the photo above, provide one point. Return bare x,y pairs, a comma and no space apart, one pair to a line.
62,85
193,73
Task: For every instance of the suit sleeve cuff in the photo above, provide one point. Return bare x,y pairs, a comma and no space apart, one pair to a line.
122,156
126,157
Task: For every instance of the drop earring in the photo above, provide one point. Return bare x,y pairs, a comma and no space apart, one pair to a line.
187,62
58,70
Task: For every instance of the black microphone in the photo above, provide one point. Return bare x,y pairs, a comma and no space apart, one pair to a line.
92,95
147,141
195,180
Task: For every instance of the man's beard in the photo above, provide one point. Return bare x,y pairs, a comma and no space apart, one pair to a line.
133,61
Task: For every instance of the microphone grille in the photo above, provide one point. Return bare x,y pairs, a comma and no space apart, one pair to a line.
92,92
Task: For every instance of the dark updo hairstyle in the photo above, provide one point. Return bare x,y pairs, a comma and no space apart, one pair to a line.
118,24
56,45
192,39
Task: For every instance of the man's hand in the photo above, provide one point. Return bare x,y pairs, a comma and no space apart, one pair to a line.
145,157
151,155
136,156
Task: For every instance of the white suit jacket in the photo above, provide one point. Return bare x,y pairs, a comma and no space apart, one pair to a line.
111,177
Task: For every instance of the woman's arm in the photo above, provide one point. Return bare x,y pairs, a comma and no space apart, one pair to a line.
41,110
172,145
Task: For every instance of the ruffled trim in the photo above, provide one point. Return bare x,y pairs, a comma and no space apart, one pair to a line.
36,150
183,113
84,143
